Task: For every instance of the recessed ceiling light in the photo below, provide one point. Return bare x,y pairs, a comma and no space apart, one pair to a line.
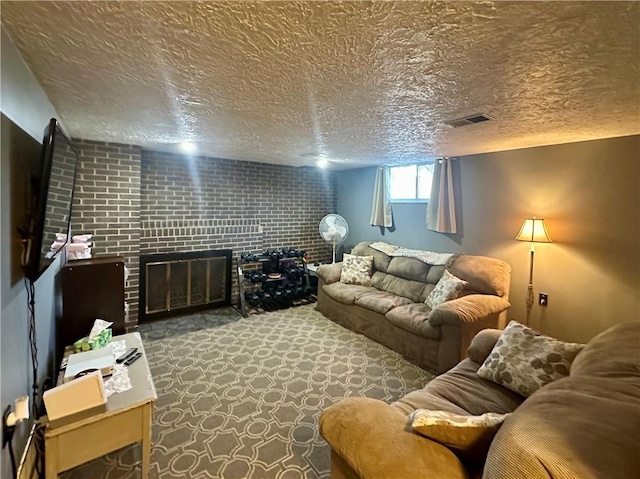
187,147
322,163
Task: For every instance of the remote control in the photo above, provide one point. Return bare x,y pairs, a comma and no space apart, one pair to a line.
132,359
126,355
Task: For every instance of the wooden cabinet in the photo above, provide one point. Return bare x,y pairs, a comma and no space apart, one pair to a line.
91,288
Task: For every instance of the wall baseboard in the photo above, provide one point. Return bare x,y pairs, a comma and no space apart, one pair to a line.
27,467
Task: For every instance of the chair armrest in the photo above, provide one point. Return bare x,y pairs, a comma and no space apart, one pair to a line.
372,438
330,273
467,309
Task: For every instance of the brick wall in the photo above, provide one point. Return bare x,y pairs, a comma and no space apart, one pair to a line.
107,205
194,203
137,201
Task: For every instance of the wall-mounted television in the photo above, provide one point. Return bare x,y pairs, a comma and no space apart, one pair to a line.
52,186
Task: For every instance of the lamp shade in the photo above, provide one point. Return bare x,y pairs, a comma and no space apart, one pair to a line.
534,231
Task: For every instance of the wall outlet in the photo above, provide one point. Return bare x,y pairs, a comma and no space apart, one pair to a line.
543,299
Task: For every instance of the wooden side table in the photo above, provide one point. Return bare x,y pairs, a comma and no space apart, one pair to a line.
127,420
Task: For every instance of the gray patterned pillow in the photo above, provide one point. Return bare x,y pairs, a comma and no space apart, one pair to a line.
356,269
447,288
524,360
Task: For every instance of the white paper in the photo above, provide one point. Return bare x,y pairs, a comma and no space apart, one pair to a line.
120,380
94,359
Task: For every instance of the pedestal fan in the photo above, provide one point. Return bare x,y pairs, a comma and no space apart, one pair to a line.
334,230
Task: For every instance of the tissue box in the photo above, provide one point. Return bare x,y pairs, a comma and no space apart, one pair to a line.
100,341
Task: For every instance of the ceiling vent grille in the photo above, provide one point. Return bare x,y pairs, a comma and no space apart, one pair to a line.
468,120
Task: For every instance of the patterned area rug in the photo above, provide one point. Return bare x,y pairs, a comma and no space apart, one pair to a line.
240,397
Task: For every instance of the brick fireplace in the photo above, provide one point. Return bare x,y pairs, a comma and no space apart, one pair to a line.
140,202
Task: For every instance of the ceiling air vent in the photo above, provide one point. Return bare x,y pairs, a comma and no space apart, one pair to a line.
468,120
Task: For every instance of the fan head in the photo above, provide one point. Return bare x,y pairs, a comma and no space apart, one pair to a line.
334,229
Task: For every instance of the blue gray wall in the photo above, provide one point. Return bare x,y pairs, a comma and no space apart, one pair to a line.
588,193
26,105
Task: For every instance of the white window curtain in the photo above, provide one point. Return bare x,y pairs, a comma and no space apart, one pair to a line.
381,214
441,210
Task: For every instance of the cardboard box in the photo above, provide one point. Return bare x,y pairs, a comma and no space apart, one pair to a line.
78,399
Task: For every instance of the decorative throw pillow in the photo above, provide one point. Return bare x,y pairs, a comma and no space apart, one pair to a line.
524,360
447,288
456,430
356,269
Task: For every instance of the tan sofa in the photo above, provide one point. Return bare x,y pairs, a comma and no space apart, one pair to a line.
393,313
583,426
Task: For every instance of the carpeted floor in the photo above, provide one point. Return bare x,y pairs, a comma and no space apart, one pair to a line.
240,397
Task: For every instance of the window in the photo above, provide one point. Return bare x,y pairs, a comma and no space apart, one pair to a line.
411,183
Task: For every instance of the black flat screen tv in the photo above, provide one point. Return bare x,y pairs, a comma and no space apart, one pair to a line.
52,188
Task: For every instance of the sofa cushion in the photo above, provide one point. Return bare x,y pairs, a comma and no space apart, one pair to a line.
356,270
458,431
414,290
380,260
524,360
484,275
346,293
608,354
447,289
575,428
413,318
370,438
409,268
461,391
380,301
436,272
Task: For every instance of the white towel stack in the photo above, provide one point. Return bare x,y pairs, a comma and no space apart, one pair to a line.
61,239
78,248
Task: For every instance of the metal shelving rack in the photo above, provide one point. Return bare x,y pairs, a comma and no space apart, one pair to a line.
275,262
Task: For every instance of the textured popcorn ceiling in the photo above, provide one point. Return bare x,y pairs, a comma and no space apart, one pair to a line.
357,82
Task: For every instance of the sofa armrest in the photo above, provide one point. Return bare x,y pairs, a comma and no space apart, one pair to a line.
330,273
467,309
482,344
460,320
372,438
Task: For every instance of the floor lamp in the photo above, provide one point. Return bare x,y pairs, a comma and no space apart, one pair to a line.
534,231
